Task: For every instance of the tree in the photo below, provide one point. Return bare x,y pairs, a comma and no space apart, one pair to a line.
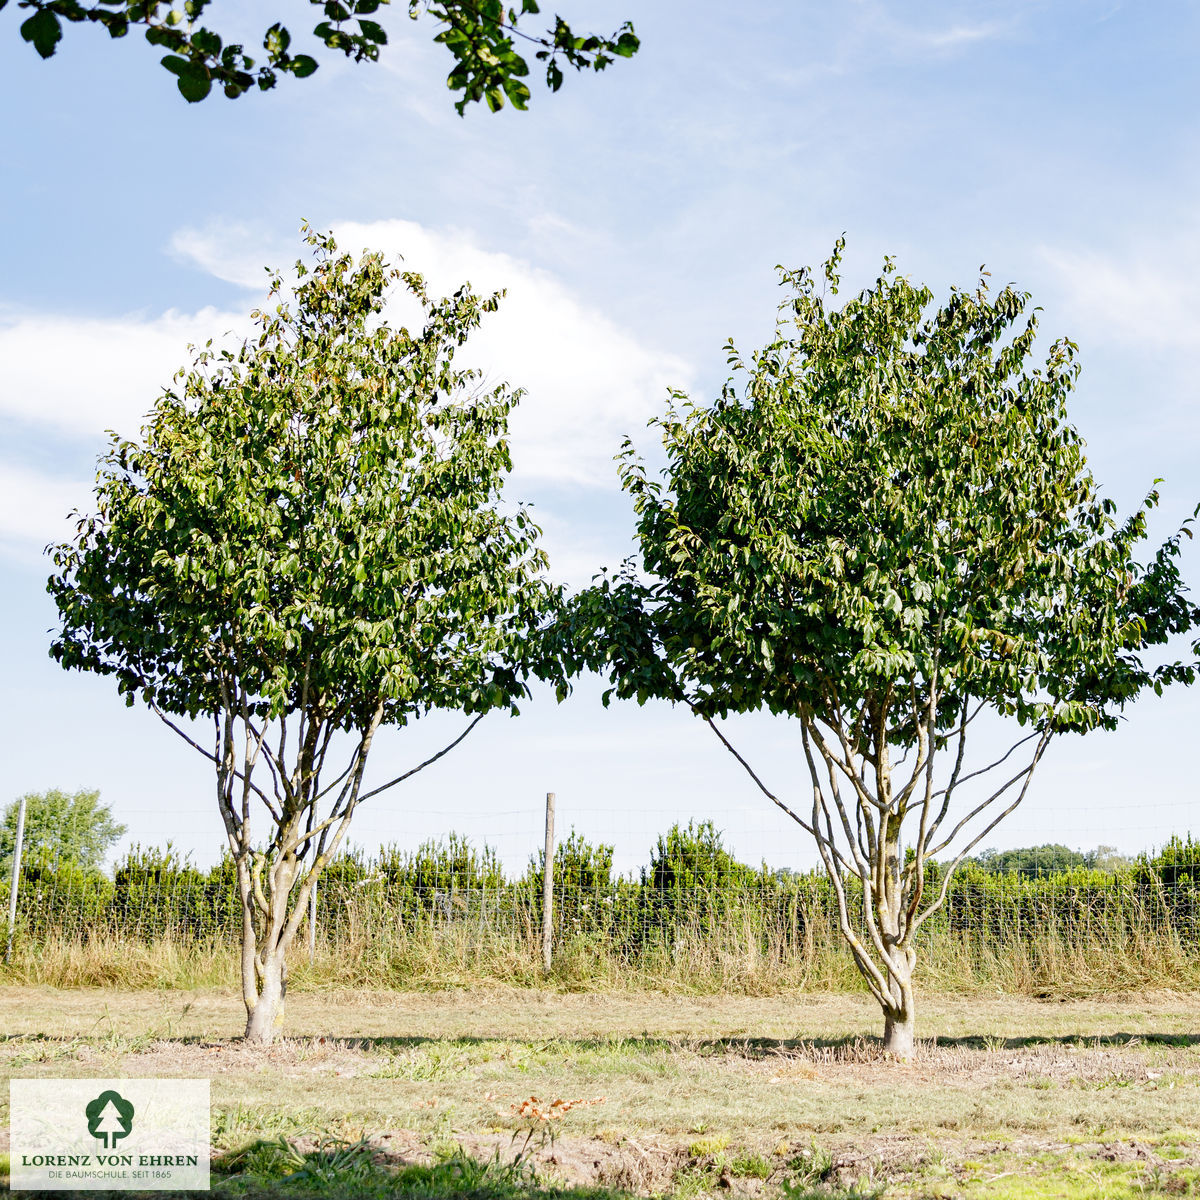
478,33
61,828
693,858
891,529
309,543
1049,859
1107,858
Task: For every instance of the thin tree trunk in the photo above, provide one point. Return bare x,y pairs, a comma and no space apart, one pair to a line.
899,1014
266,1015
898,1026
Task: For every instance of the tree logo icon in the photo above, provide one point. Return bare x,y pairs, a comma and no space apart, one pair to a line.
109,1117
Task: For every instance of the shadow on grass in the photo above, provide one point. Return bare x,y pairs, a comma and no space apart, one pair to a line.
759,1047
847,1047
336,1167
361,1171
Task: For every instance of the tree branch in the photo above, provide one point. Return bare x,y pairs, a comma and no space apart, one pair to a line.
420,767
762,787
1028,773
994,796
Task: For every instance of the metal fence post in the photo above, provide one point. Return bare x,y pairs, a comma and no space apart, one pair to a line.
16,877
548,886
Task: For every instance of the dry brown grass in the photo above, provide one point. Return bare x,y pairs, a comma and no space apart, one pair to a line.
725,960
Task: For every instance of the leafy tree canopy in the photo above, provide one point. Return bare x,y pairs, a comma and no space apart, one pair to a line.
482,36
1048,859
310,539
61,829
313,520
892,509
1031,860
888,528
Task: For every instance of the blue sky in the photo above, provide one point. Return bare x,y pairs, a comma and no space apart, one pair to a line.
636,218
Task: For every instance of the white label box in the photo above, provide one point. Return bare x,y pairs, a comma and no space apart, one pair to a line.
109,1134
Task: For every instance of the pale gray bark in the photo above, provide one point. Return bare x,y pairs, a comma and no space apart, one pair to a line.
861,809
306,823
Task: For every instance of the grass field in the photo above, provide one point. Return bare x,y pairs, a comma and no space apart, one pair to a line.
783,1096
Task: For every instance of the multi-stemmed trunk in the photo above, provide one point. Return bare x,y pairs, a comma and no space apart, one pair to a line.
898,960
265,941
274,886
878,878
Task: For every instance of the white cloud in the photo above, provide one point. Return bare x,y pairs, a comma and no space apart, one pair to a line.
236,253
34,509
588,381
1146,295
81,376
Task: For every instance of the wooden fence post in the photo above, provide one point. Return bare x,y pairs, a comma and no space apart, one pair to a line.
312,924
16,878
548,886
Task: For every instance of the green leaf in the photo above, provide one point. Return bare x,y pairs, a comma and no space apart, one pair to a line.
277,41
373,32
43,30
194,81
303,65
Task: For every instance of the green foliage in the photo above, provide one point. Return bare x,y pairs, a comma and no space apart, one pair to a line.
1177,862
588,901
1048,859
692,858
452,864
578,865
1031,860
884,524
316,516
311,539
749,1165
478,33
455,888
61,829
894,502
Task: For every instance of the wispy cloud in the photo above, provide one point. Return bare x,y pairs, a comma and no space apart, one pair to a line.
956,36
35,508
941,29
1147,294
588,381
236,252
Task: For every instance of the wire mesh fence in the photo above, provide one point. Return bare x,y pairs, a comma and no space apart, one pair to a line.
459,892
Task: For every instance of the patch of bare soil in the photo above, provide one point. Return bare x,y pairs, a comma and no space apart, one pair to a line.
644,1167
291,1058
864,1062
650,1166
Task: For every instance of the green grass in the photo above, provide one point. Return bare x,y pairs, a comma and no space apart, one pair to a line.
783,1097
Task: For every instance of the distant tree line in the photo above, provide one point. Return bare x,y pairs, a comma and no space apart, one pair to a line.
76,830
1050,858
